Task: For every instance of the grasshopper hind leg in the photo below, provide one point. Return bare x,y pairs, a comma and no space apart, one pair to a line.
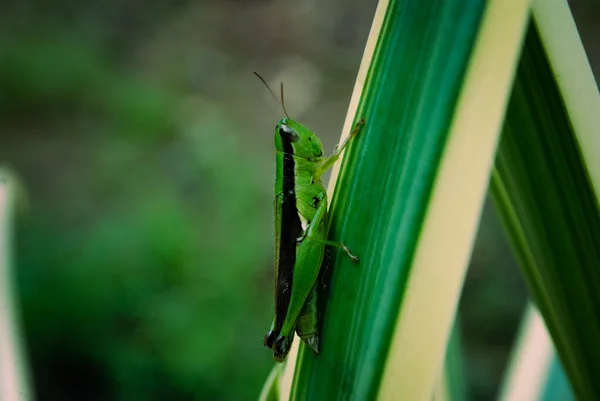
307,325
308,322
306,328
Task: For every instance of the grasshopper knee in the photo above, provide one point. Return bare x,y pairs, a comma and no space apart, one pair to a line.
281,347
270,338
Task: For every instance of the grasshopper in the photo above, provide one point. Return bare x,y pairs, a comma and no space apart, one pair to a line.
301,226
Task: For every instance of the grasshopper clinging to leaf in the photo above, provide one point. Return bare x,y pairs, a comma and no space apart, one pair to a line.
301,226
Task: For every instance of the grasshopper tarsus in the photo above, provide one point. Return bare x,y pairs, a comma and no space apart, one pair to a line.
358,126
353,257
313,343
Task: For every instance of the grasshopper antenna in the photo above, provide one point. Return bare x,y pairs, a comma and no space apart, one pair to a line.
280,101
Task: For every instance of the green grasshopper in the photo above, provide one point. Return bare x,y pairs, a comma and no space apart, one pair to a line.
301,225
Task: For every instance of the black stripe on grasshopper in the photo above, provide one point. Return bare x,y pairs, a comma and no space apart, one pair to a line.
290,229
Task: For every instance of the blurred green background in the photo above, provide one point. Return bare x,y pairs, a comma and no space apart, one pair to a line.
144,144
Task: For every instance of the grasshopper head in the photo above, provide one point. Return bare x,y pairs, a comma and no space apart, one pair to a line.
296,139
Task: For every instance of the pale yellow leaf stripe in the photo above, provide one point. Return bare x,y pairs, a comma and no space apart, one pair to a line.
574,77
13,378
530,364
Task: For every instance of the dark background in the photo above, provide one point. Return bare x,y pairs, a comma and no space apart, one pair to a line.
144,146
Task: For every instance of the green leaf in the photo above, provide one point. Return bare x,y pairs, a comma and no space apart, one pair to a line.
546,186
409,195
452,384
270,391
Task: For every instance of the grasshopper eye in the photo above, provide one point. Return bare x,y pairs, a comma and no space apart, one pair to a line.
287,133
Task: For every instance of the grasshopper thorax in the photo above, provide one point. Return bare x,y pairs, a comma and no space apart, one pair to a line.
296,139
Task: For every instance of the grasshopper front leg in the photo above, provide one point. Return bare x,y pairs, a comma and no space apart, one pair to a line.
337,151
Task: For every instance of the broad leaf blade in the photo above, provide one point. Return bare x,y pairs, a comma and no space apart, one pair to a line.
543,187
